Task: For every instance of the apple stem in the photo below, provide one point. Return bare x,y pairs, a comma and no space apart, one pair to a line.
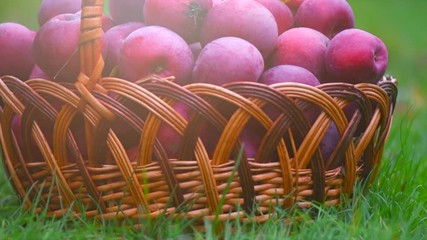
194,11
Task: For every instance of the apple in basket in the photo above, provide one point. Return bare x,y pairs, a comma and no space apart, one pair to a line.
281,12
181,16
122,11
290,73
304,47
226,60
356,56
56,45
114,39
51,8
169,138
15,50
326,16
155,50
245,19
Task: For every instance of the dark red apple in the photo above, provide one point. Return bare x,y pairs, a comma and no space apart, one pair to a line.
51,8
56,45
356,56
281,12
123,11
170,139
304,47
326,16
181,16
329,141
155,50
226,60
114,39
288,73
246,19
15,50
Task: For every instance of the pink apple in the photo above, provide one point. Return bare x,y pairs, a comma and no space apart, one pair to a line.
114,39
251,137
155,50
281,12
170,139
304,47
181,16
226,60
15,50
56,45
326,16
356,56
51,8
246,19
123,11
288,73
329,142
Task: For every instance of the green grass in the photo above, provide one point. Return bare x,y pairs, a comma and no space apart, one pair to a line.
394,207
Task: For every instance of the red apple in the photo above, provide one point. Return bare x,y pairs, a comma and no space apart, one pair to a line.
181,16
329,141
304,47
56,45
170,139
246,19
251,137
155,50
123,11
15,50
356,56
288,73
281,12
114,39
226,60
326,16
51,8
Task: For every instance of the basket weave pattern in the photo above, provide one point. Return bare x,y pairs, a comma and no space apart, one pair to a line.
53,165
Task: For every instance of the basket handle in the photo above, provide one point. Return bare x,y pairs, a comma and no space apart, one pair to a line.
91,61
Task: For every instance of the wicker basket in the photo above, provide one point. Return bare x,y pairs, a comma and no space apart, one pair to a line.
53,164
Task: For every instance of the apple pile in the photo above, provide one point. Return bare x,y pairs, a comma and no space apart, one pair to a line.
205,41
